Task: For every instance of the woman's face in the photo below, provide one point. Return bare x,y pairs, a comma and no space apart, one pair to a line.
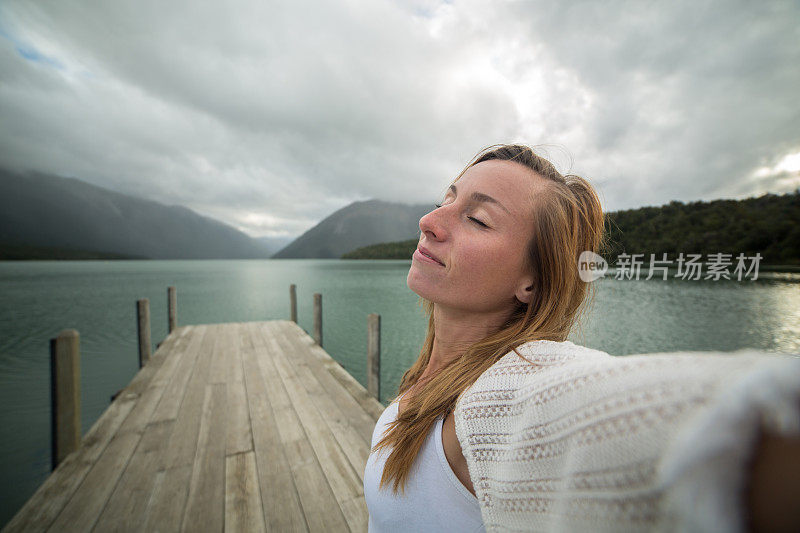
479,237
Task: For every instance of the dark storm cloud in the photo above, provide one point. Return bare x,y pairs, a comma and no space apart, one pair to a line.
270,117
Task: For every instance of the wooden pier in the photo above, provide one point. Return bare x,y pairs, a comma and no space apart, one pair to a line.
228,427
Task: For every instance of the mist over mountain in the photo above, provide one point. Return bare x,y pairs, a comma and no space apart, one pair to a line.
273,244
356,225
49,211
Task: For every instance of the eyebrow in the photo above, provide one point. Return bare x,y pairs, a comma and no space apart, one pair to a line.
480,197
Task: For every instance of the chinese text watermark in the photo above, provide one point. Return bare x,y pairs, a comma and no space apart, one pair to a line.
687,266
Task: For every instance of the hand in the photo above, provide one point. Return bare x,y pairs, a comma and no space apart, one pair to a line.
772,489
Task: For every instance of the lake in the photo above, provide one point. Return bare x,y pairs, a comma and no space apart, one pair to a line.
98,298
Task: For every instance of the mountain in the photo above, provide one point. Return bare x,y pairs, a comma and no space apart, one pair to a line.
356,225
273,244
41,210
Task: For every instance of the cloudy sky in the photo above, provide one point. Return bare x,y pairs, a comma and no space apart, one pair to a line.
271,115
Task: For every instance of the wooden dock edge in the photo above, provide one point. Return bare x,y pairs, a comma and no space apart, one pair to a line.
44,505
372,406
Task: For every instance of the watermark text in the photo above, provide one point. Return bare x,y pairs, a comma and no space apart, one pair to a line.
716,266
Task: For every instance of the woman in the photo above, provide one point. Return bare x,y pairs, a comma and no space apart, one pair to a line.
504,425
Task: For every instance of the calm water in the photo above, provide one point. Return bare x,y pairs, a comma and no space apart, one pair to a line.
99,300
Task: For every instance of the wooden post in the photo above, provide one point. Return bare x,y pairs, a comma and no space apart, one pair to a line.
65,394
318,318
172,308
293,302
143,327
374,355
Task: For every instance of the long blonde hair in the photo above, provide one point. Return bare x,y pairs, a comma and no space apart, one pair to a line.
568,219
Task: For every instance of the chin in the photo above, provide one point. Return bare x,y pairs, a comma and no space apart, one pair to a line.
418,286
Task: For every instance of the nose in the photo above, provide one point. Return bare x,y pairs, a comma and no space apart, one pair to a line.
433,225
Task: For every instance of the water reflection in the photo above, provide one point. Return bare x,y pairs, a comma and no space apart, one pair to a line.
668,315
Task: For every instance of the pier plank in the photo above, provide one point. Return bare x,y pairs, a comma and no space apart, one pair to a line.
228,427
234,368
355,510
243,511
223,336
321,510
170,403
142,411
360,415
345,482
205,506
279,497
143,378
151,395
172,355
183,441
168,500
239,436
83,509
372,406
342,476
345,417
172,340
125,509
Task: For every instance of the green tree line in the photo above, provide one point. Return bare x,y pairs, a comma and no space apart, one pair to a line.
769,225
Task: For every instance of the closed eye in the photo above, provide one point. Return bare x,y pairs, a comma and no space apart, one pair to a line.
473,219
478,222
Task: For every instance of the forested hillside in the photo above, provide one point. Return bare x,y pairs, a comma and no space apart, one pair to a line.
769,224
386,250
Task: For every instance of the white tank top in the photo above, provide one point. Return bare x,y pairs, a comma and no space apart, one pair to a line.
434,498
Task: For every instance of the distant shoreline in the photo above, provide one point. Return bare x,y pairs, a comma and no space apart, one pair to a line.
64,254
22,252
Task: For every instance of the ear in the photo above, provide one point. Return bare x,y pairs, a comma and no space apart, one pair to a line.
524,290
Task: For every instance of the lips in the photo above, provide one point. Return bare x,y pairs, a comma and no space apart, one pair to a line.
427,253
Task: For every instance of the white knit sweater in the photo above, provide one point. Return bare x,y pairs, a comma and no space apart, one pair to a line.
577,440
